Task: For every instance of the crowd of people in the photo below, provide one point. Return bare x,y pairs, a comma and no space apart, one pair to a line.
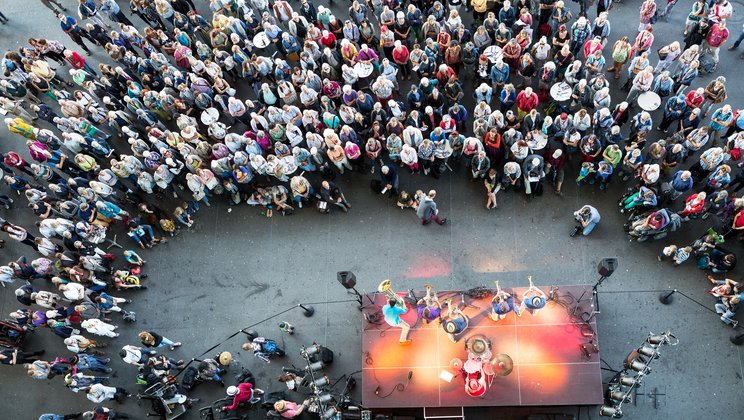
269,103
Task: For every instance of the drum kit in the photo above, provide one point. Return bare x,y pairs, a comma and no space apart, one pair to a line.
481,367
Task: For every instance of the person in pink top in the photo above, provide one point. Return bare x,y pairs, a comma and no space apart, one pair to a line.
241,394
717,36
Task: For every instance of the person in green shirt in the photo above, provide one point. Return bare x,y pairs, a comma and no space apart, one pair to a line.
612,155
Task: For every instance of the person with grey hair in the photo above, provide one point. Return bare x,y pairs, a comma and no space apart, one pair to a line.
427,210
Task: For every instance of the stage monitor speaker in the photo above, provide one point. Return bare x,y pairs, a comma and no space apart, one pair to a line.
347,279
607,266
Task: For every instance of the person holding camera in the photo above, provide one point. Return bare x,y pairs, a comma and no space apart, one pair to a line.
588,217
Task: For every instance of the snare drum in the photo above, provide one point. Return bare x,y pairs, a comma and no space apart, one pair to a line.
472,366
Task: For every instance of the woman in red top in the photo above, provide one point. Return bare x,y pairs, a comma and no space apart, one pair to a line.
401,59
492,141
78,62
694,204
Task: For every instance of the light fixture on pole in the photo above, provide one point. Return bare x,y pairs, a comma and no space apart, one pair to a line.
621,387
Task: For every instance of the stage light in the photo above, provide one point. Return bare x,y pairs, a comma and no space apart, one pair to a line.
618,396
655,340
311,350
648,351
324,398
613,412
322,381
639,366
330,413
314,367
628,381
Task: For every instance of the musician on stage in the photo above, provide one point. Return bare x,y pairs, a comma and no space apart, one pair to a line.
428,306
454,321
533,299
392,311
501,304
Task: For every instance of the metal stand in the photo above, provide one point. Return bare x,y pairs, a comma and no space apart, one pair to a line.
308,310
595,296
667,297
113,243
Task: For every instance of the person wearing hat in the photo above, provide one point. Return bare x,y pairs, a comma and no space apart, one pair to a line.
554,167
241,394
289,409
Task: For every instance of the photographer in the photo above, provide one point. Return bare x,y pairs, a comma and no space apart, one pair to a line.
588,217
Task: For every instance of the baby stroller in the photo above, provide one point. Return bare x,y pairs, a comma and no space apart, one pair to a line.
670,222
11,335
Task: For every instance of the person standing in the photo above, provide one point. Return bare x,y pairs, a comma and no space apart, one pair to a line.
70,26
392,311
427,210
50,4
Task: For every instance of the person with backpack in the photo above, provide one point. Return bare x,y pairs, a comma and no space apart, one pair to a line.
263,348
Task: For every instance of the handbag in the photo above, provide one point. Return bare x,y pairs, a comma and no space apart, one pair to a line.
662,54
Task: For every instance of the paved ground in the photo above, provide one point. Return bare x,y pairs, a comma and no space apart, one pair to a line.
235,269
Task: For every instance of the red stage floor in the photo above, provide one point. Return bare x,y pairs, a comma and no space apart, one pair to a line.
549,366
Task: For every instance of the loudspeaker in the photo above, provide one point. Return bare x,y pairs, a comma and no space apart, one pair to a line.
607,266
346,278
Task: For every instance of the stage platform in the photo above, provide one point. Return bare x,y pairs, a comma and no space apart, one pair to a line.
549,366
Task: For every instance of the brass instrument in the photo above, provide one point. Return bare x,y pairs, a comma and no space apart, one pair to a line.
386,287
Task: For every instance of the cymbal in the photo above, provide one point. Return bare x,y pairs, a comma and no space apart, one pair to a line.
502,364
456,364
